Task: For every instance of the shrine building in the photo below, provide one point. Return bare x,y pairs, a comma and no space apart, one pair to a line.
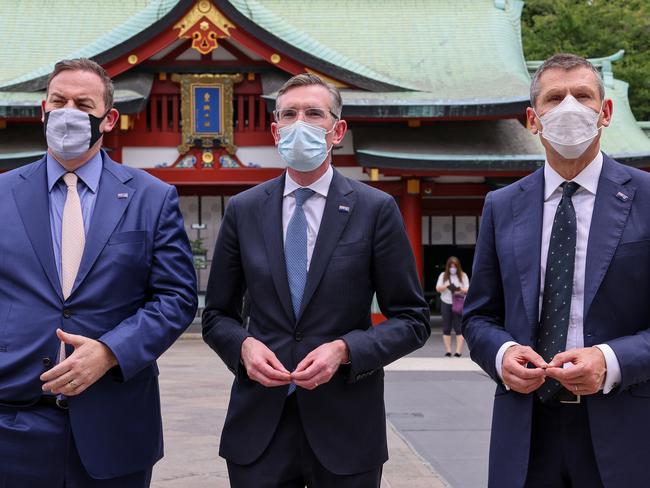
434,94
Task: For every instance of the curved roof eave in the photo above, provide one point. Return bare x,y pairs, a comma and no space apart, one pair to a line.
515,162
420,105
131,94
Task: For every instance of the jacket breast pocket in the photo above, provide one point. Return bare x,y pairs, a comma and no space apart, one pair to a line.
127,248
355,248
634,248
130,237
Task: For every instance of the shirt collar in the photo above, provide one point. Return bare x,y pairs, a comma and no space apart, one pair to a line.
89,173
320,186
587,178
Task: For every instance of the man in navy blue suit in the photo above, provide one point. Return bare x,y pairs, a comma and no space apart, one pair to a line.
96,281
558,310
311,247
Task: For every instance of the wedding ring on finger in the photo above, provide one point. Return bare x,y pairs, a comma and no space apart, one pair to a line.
575,388
73,384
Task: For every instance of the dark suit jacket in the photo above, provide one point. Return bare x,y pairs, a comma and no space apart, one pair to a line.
135,292
359,251
502,305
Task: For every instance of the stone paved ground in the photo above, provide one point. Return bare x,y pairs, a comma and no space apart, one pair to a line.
195,388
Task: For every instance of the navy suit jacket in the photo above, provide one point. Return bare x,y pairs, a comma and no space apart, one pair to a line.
361,249
135,291
502,305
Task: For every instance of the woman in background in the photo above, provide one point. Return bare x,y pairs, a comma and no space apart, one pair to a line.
452,281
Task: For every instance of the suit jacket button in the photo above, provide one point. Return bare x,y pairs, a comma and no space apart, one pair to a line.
47,361
297,336
67,313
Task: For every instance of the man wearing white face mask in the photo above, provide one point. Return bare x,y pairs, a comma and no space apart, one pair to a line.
557,313
96,281
311,248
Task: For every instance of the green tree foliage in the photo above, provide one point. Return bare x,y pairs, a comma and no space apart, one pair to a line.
595,28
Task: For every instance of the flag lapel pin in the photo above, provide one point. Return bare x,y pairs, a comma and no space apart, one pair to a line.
622,196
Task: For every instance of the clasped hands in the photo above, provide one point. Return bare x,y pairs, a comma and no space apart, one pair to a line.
317,368
585,376
90,361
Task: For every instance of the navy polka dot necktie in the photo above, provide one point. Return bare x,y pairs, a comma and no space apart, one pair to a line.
558,286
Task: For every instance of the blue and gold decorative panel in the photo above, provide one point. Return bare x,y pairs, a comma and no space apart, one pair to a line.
207,111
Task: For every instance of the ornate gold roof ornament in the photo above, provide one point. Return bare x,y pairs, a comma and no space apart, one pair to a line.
204,24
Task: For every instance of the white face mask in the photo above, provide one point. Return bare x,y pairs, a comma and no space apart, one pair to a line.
570,127
453,270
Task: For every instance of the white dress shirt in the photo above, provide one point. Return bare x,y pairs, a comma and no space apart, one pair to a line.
583,202
313,207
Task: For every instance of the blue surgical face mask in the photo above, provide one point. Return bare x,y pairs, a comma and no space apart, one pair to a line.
302,146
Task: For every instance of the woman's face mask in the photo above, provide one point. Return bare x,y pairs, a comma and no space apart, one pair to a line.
453,270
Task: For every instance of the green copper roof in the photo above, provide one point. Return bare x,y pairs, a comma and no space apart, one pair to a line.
452,145
491,145
462,50
36,34
624,137
20,144
645,127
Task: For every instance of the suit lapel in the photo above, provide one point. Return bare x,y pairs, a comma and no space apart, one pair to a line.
527,210
107,213
271,215
32,200
331,227
607,223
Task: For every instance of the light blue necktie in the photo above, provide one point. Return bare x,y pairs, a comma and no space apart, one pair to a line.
295,254
295,249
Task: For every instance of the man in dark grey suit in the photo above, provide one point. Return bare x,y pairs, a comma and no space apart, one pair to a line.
311,247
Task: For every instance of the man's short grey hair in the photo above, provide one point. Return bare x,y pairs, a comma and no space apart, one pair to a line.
85,64
567,62
307,79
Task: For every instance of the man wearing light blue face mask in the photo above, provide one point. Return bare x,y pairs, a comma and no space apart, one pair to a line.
96,281
311,248
557,312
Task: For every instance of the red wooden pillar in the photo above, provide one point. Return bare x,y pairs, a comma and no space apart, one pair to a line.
411,208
